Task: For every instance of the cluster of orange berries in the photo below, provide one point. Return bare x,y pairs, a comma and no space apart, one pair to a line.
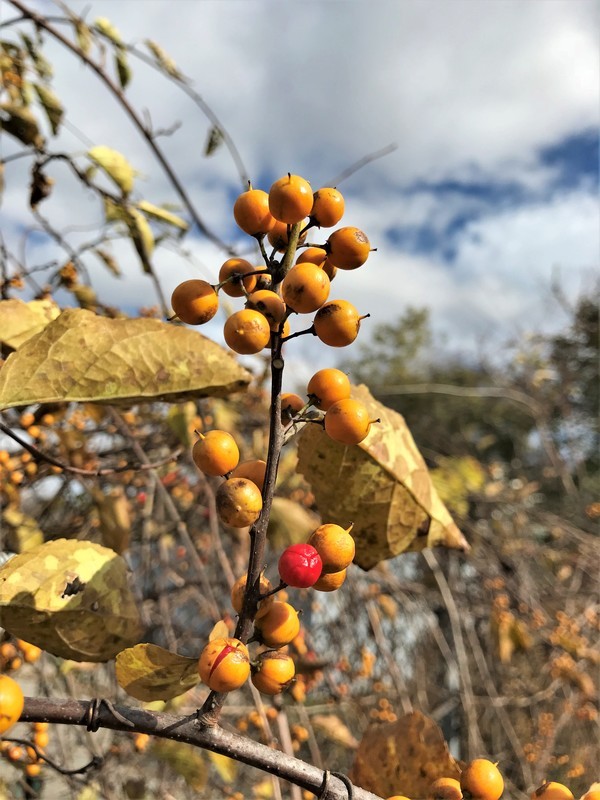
11,708
482,780
225,663
272,296
14,653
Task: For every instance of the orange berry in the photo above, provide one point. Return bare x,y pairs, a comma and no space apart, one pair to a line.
254,470
26,420
224,665
445,789
269,304
251,212
328,268
4,456
33,770
195,302
11,702
279,625
41,738
337,323
481,779
290,405
15,753
348,248
330,581
314,255
328,207
398,797
305,288
327,386
247,331
239,587
216,453
7,651
41,726
31,653
141,741
273,673
279,239
236,286
591,794
347,421
290,199
552,791
239,502
335,546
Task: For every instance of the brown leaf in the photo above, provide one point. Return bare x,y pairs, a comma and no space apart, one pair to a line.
382,485
403,757
83,357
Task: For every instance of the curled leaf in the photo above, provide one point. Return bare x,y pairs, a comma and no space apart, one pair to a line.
213,141
148,672
83,357
71,598
108,260
20,122
164,61
105,27
123,68
115,165
382,485
141,236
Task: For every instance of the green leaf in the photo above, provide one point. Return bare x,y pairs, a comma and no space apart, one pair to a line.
20,122
381,485
123,68
52,106
213,141
115,165
164,61
105,27
148,672
162,215
19,321
84,357
71,598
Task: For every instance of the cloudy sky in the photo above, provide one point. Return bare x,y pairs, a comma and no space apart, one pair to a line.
493,106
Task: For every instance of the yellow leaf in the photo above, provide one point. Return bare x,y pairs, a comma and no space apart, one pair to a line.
407,756
105,26
20,321
185,760
382,485
115,165
162,215
83,357
23,532
148,672
115,520
71,598
141,236
334,729
51,105
226,767
219,631
164,61
289,523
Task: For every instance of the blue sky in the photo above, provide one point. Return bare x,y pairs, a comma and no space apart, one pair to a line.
493,105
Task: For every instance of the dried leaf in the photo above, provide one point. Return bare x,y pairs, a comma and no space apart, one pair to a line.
51,105
213,141
70,598
20,122
162,215
41,186
115,165
105,26
382,485
141,236
115,519
19,321
123,68
41,65
335,730
164,61
185,760
226,767
403,757
83,357
108,261
148,672
85,296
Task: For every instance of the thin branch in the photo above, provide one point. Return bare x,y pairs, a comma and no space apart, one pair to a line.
362,162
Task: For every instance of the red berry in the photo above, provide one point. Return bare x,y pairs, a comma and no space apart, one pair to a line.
300,565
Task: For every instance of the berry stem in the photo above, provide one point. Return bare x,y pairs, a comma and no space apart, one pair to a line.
298,333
